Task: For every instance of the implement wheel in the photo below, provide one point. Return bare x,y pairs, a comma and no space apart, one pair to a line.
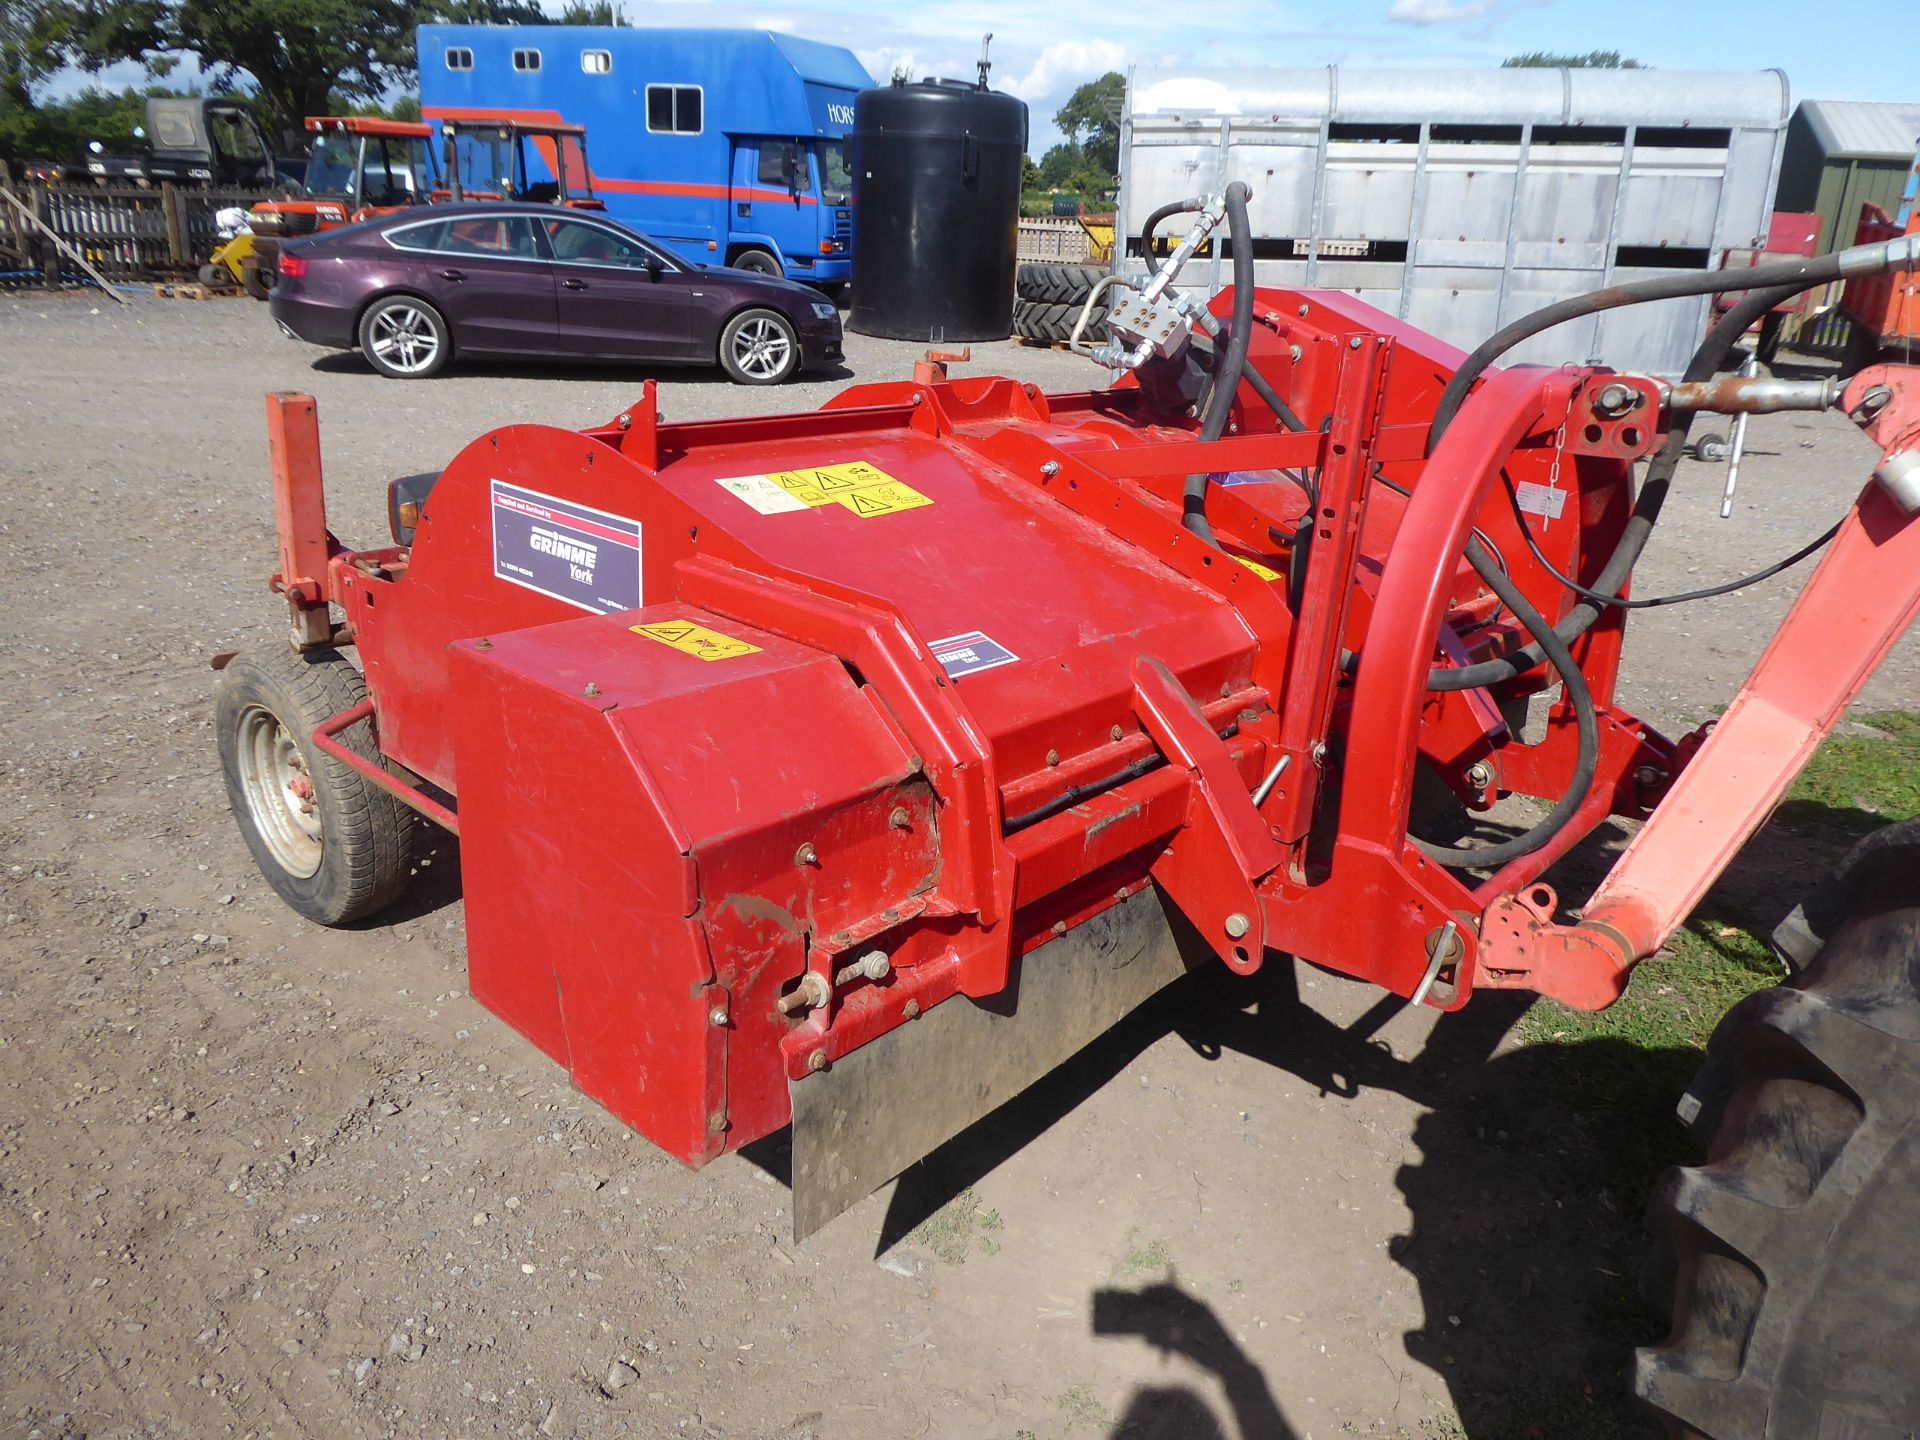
335,846
257,279
1796,1301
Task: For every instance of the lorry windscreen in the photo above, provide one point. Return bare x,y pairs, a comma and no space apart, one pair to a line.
836,181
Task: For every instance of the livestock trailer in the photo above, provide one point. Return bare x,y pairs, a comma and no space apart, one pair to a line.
726,145
1456,200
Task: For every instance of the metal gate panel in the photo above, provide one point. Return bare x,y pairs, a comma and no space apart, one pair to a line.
1278,161
1673,197
1171,158
1369,191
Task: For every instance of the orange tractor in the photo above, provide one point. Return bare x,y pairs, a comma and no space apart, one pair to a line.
488,160
360,166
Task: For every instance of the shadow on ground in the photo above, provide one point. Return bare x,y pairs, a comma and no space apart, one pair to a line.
1536,1163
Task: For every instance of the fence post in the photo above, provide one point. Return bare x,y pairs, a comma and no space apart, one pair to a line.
175,213
50,263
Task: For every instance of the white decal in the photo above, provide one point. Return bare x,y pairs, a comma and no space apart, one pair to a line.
1542,500
762,494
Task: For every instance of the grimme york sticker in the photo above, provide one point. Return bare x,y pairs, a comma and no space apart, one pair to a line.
582,556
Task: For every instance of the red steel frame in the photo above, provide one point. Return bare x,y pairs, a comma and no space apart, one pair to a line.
1322,865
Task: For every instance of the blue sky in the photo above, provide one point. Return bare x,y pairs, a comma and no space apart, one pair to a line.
1837,50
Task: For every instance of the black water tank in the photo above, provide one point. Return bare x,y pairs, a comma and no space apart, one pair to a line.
936,210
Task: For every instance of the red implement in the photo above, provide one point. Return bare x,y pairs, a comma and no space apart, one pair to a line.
856,767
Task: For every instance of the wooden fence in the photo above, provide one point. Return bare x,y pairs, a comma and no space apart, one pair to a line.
1046,239
127,233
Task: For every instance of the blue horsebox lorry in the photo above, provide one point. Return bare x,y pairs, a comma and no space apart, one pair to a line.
727,145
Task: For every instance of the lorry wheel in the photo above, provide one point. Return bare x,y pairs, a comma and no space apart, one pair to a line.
759,347
335,846
405,338
759,262
1796,1291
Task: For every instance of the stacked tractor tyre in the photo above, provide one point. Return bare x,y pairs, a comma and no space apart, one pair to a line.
1048,301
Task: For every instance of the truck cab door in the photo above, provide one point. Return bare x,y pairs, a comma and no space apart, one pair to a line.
775,198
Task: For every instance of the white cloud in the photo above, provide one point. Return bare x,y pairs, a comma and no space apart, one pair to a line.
1064,65
1438,12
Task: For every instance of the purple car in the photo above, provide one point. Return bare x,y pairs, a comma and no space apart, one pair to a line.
413,289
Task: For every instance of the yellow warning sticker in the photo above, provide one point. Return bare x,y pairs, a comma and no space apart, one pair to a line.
888,499
696,640
865,489
798,485
1265,572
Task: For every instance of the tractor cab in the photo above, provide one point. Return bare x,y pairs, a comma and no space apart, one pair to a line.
518,160
360,166
371,165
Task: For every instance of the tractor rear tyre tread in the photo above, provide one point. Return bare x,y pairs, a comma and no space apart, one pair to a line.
1053,284
366,835
1054,322
1796,1288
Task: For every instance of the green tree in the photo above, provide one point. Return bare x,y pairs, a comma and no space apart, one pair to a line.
1091,121
1592,60
592,12
299,57
30,50
1060,164
401,107
1029,173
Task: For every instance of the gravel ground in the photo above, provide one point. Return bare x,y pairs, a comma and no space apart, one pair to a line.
264,1179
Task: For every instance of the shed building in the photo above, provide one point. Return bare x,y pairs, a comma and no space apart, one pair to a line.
1842,154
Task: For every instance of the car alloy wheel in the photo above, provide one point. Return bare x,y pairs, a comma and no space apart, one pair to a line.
405,338
762,348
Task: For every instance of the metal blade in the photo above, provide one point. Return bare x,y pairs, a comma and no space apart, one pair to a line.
879,1109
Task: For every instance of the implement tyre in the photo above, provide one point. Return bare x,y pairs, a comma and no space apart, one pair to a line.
334,845
1796,1291
1053,323
1057,284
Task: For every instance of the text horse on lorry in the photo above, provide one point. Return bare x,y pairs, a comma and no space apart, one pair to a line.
852,769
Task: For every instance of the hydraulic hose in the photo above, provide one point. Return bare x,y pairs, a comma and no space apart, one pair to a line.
1159,218
1586,759
1801,274
1713,351
1233,361
1550,641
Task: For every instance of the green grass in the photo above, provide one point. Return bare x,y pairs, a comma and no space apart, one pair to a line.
957,1228
1151,1258
1853,785
1861,782
1079,1408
